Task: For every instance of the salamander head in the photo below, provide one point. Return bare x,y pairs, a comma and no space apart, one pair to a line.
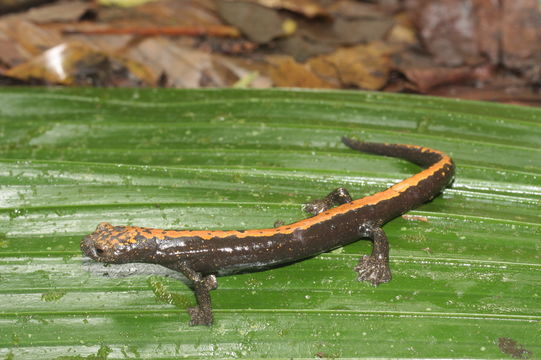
118,244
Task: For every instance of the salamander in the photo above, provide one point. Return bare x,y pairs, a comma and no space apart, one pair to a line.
337,220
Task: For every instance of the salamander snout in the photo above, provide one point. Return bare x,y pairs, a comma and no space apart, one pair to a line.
117,244
91,249
97,245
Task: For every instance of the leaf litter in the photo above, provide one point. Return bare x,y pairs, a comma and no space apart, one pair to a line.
471,49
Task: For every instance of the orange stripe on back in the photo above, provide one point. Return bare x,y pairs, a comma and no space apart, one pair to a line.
390,193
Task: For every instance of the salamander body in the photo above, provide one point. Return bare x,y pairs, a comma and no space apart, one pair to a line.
200,255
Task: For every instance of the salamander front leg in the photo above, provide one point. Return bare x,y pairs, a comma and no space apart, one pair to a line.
374,268
336,197
202,313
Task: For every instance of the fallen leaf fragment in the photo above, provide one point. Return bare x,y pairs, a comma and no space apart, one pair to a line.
429,77
488,30
11,53
356,10
77,64
286,72
448,30
184,67
246,81
162,13
362,66
21,40
308,8
212,30
355,31
325,69
8,6
356,22
464,32
415,218
123,3
258,23
62,11
521,38
403,31
302,47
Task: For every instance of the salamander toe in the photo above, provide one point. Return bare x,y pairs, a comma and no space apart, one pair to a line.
373,270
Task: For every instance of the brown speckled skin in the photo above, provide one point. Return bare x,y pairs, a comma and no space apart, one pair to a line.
202,254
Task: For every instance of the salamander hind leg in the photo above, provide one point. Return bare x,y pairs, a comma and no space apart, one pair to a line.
202,313
374,268
202,285
336,197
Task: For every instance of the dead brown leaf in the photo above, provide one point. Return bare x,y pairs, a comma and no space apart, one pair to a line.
362,66
92,29
427,78
356,10
11,53
488,29
76,64
182,67
326,70
355,31
403,31
20,40
162,13
308,8
258,23
61,11
467,32
185,67
303,46
7,6
521,37
286,72
356,22
448,30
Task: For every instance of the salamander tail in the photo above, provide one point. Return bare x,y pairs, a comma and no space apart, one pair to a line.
417,154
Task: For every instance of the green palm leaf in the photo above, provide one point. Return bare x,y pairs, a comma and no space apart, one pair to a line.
465,283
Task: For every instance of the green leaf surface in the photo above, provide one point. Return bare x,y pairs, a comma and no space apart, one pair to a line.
466,282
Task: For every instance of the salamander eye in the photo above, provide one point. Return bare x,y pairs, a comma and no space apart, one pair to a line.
99,251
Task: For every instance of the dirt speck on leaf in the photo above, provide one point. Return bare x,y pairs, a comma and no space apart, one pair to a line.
511,347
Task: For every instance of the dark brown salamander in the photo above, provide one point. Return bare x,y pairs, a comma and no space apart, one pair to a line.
201,255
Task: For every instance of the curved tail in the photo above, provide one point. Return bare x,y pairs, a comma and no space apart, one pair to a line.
423,186
419,155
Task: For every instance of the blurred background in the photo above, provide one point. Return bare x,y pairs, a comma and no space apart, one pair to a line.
472,49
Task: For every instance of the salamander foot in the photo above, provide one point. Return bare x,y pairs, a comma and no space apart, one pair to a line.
373,270
200,316
202,285
336,197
